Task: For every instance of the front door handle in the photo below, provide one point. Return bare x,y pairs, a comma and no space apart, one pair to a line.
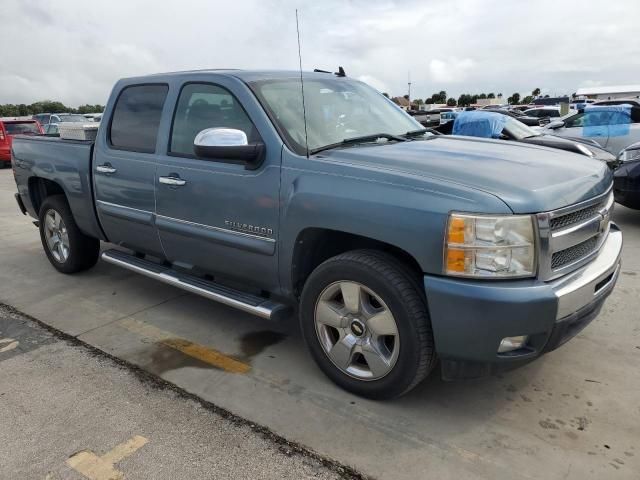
174,181
106,168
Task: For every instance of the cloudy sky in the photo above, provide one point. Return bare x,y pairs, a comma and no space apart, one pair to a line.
74,50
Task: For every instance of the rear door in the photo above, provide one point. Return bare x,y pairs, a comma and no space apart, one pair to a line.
124,168
221,219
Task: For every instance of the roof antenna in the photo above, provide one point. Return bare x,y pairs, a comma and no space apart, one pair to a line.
304,110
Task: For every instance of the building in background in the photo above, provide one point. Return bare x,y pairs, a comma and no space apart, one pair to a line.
609,93
402,102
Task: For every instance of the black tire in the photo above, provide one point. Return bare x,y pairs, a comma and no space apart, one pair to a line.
395,284
83,251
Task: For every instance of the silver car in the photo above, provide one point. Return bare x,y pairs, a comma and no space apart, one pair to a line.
613,127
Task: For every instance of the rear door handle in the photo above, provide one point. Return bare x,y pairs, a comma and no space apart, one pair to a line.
175,181
106,168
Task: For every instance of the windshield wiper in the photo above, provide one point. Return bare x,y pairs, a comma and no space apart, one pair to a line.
361,139
419,132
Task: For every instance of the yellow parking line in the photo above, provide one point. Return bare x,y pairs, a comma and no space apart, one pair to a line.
94,467
195,350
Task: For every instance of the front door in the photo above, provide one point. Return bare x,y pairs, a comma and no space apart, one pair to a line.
216,216
125,169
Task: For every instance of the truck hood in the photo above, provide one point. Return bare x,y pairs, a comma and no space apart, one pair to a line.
528,178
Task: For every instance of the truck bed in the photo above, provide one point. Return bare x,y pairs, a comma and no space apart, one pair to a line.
67,163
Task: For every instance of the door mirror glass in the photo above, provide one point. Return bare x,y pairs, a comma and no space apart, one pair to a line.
228,144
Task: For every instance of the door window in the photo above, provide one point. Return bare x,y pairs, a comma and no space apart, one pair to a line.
203,106
136,118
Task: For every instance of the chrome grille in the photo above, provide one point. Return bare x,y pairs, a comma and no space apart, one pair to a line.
571,254
568,219
571,236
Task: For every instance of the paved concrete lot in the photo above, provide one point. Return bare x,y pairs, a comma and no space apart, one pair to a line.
69,414
573,414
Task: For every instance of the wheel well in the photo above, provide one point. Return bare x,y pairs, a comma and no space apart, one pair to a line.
315,245
40,189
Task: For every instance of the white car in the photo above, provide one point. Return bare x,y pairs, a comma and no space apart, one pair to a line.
613,127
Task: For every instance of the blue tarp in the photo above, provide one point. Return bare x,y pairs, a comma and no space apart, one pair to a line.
479,124
606,120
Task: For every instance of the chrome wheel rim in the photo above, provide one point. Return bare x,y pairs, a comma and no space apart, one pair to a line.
55,232
357,330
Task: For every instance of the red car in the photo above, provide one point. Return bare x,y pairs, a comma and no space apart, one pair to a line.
9,128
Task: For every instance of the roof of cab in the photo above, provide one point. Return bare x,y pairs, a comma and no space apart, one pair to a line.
244,75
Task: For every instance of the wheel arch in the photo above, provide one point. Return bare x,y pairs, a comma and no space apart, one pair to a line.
41,188
315,245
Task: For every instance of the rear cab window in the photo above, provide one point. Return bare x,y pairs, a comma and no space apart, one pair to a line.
136,118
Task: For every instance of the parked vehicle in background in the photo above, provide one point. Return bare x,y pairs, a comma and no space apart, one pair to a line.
614,127
487,124
543,112
42,118
626,178
93,117
580,104
521,117
522,108
9,128
425,118
618,101
400,250
54,119
46,118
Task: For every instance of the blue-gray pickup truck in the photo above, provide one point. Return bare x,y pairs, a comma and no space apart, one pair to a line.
399,250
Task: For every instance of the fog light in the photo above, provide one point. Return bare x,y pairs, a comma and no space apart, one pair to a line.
508,344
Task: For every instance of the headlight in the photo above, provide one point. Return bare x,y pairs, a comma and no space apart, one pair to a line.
629,155
486,246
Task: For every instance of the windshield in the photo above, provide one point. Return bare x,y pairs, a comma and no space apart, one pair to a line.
519,130
336,109
72,118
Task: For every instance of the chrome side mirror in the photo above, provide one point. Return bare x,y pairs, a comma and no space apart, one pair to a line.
228,145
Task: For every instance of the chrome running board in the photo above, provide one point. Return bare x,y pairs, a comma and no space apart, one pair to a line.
246,302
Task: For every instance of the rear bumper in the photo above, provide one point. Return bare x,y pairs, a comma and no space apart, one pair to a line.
470,318
5,155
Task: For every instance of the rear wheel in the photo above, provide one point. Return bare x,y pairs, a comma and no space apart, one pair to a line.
66,247
366,324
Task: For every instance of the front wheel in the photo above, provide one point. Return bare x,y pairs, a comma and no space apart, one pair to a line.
67,248
366,324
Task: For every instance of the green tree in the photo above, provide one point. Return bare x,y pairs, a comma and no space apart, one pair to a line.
482,96
535,92
514,99
491,95
385,94
527,100
451,102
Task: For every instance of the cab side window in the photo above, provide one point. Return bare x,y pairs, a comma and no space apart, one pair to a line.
136,118
201,106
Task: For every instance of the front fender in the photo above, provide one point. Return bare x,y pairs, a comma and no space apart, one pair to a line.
408,213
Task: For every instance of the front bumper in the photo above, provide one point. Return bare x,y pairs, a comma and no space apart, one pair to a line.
471,317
